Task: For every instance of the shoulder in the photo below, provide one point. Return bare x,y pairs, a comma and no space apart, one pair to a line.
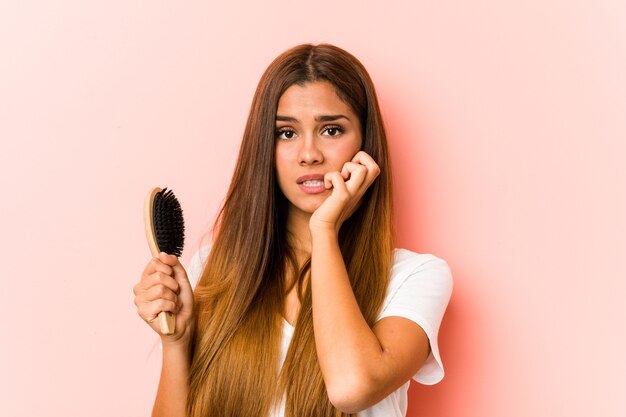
423,266
420,280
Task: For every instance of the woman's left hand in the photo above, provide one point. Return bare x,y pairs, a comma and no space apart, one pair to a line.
348,186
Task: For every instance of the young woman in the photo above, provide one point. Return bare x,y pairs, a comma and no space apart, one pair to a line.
302,305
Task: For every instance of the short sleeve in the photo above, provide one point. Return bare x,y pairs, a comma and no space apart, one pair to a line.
196,265
420,289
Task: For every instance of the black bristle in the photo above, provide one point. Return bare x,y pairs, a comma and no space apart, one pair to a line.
169,226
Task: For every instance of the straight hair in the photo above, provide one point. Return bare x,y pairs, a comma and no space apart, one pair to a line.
241,293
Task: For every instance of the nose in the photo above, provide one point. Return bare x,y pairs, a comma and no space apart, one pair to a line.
309,152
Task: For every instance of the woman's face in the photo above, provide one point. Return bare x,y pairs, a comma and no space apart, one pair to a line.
316,132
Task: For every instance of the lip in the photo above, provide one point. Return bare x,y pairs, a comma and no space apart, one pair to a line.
308,177
311,189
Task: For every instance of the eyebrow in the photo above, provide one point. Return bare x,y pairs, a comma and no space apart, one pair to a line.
322,118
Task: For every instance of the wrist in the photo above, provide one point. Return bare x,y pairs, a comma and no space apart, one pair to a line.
182,341
182,344
176,340
323,229
318,224
324,237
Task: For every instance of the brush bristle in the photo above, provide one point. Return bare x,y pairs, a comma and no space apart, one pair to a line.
169,226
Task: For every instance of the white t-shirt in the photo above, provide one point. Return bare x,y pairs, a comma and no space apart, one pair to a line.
419,290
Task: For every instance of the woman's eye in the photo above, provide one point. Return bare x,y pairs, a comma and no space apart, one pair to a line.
334,130
288,133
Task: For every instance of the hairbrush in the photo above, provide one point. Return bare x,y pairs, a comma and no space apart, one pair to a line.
165,231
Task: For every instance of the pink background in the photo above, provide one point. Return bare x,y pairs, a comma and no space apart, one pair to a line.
507,127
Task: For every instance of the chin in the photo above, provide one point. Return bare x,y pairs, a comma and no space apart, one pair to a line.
308,207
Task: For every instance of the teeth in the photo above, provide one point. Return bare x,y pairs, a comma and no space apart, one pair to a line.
313,182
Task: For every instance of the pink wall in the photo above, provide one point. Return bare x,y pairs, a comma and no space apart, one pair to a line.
507,129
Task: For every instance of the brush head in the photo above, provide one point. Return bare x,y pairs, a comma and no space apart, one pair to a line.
169,226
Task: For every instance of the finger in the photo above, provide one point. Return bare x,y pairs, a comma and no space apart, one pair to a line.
150,310
154,265
172,261
357,174
159,292
162,267
365,159
157,278
338,184
180,275
327,180
362,157
347,169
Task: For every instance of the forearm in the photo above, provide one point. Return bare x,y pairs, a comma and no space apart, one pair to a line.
346,346
171,399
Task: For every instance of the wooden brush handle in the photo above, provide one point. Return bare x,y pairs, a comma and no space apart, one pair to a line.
167,319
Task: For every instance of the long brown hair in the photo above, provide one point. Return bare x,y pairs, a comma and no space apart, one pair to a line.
241,293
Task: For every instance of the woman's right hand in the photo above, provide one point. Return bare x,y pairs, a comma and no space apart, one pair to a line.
164,286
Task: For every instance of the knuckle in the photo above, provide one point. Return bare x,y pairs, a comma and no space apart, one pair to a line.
162,278
160,290
143,314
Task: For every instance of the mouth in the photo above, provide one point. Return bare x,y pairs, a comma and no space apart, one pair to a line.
312,183
310,177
